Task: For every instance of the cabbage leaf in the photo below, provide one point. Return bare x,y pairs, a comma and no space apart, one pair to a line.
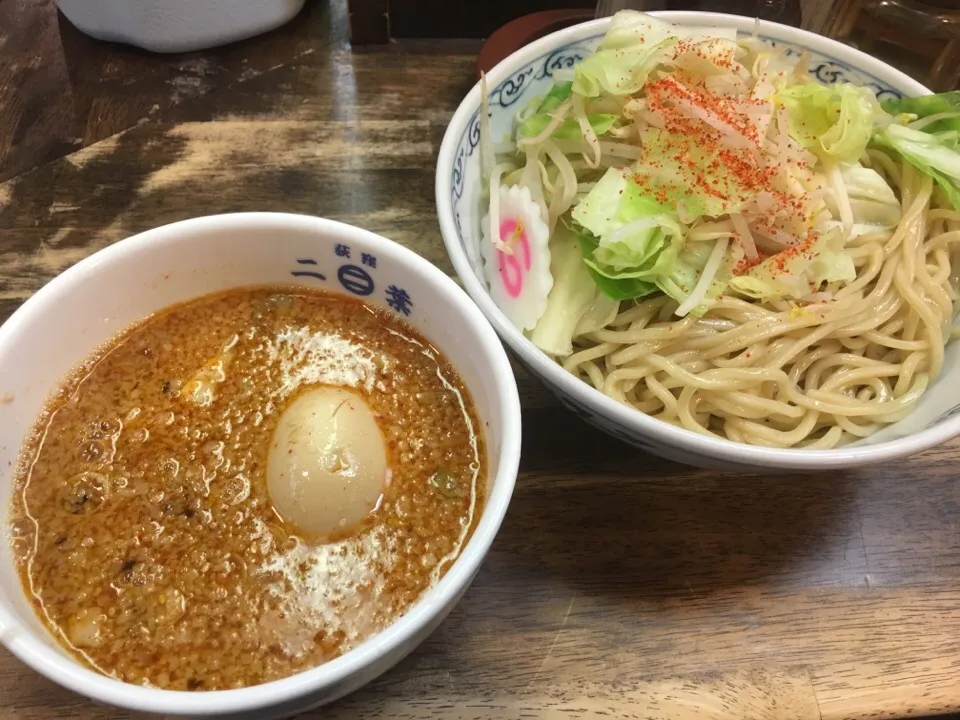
636,238
871,199
926,105
835,122
678,170
575,304
557,95
569,129
619,72
799,270
686,272
634,45
933,154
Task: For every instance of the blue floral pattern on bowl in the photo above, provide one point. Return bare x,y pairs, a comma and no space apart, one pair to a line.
535,79
460,205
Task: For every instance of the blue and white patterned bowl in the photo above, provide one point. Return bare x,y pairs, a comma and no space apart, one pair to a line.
527,74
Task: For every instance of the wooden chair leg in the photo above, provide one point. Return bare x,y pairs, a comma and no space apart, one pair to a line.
369,21
945,73
846,19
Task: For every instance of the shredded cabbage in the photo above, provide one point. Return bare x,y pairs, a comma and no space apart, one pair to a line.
930,153
799,270
630,28
569,129
688,162
618,72
872,201
689,272
679,171
634,45
574,303
937,113
558,94
834,121
622,288
636,237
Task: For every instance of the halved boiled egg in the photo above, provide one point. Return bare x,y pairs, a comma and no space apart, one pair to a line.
327,466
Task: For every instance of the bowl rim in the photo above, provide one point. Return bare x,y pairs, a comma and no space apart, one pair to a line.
46,660
623,416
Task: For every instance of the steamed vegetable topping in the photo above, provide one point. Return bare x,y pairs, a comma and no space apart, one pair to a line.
687,162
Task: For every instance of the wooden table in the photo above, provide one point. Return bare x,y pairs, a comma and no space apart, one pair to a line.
621,585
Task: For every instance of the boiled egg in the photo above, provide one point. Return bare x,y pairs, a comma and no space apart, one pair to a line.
327,466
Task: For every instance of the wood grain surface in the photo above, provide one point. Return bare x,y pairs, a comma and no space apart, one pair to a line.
621,585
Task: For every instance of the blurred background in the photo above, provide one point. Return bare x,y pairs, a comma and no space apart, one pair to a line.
923,39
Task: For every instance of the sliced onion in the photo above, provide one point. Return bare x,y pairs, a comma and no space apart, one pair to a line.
746,237
711,231
839,189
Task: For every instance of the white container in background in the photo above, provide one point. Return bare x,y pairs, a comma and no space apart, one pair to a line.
169,26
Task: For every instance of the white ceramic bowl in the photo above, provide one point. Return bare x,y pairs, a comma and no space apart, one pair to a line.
527,74
174,26
89,303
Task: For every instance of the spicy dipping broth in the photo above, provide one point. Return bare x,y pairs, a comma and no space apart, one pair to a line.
245,486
